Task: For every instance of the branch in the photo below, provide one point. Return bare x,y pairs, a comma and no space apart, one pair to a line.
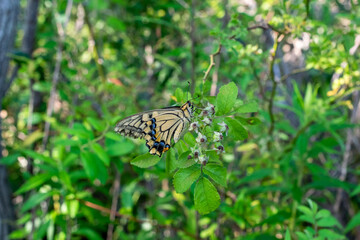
296,71
98,60
274,82
56,75
114,204
212,62
267,26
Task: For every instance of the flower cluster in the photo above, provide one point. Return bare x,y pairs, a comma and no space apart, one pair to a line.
207,138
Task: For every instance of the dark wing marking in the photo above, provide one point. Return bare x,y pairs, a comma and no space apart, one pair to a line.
157,127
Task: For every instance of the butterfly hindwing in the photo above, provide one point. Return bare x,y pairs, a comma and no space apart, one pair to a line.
157,127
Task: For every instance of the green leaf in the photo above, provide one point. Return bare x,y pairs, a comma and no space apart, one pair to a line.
179,95
258,175
100,152
10,159
329,221
66,180
171,163
354,222
307,218
19,234
120,148
114,136
184,178
226,98
353,193
80,131
190,139
96,124
184,162
305,210
89,162
40,156
116,24
72,207
330,235
206,197
249,107
287,235
252,121
33,137
217,173
34,182
323,213
236,130
213,156
146,160
34,200
88,233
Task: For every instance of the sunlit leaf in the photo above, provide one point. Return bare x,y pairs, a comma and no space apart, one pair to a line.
146,160
206,197
217,173
99,150
34,200
226,98
248,107
354,222
236,130
184,160
184,178
34,182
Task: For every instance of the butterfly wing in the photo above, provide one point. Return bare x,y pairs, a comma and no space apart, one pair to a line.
157,127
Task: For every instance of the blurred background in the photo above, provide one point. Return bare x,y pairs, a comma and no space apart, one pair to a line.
70,69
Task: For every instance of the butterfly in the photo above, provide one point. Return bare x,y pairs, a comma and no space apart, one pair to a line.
157,126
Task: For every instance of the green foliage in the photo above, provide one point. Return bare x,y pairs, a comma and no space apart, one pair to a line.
206,197
284,89
321,221
145,160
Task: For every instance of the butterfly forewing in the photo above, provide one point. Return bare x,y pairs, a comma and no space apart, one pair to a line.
157,127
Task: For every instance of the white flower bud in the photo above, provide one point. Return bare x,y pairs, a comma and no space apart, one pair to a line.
224,127
201,138
194,126
218,136
203,159
207,121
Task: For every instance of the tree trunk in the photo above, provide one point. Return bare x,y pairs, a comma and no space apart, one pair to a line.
8,19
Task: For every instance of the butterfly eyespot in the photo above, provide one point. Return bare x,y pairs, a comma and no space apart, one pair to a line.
161,146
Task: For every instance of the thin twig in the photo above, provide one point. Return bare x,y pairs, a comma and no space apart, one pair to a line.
114,204
258,80
349,135
347,153
274,82
267,26
296,71
50,106
98,60
134,219
215,78
212,62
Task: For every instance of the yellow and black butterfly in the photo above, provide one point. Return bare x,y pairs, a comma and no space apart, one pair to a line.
157,126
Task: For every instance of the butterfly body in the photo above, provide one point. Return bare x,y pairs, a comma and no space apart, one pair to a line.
157,127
